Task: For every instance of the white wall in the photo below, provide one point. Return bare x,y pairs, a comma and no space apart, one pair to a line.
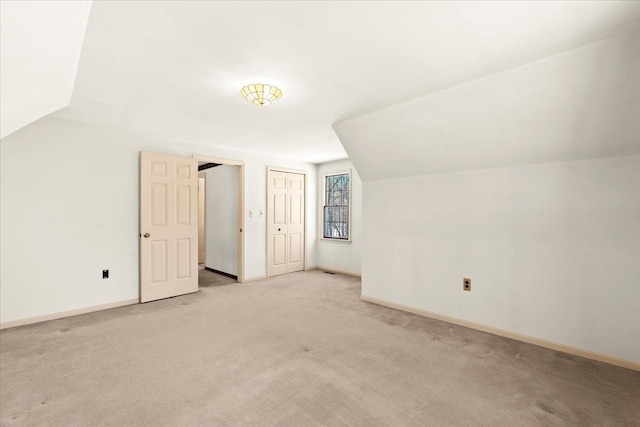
334,254
69,208
222,218
553,250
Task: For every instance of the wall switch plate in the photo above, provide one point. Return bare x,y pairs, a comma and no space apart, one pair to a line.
105,274
466,284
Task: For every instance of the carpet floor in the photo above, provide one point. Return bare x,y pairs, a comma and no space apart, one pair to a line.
295,350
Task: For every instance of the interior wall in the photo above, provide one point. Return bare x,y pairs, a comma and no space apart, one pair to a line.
78,215
221,188
333,254
552,250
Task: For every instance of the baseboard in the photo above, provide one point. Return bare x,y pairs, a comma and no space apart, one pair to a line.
59,315
254,279
612,360
222,273
334,270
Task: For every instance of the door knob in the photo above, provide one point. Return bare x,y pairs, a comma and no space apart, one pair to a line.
278,229
147,235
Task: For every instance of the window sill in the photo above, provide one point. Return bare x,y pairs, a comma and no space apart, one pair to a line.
344,242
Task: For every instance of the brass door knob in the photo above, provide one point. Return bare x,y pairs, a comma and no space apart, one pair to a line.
147,235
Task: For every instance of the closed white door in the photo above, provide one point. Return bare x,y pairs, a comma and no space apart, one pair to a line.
285,229
168,226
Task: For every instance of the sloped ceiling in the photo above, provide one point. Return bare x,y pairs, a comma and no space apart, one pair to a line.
175,69
580,104
40,45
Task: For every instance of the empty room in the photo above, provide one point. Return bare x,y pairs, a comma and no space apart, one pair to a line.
308,213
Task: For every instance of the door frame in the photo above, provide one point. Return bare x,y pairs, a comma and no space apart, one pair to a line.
202,175
241,227
304,244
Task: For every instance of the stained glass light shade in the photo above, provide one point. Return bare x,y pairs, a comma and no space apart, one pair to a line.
261,94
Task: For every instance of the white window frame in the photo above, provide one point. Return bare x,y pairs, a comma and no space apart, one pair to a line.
324,204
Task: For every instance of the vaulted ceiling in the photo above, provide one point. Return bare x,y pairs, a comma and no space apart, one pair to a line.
576,105
39,52
175,69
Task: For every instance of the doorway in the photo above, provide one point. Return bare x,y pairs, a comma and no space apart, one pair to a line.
220,238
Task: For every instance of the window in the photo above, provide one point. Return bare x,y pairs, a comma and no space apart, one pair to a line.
337,198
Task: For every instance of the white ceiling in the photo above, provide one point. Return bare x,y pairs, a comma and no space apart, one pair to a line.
175,69
38,58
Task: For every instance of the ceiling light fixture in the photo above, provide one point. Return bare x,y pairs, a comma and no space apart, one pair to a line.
261,94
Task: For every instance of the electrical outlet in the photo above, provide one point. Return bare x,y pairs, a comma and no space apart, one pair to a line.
105,274
466,284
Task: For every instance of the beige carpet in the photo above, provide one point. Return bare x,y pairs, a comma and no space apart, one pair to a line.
296,350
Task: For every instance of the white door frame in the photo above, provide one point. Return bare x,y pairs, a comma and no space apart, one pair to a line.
241,229
304,244
202,199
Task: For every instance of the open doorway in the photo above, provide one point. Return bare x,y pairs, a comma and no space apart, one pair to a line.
220,222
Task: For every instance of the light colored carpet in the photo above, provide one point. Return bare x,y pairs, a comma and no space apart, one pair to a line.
296,350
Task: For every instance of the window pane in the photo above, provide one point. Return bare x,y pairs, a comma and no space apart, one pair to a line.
336,211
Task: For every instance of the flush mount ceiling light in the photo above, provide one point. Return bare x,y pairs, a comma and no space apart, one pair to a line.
261,94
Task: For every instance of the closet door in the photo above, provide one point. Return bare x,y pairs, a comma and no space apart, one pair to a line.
277,225
285,227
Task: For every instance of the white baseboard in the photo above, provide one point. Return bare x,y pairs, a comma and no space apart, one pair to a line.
612,360
59,315
254,279
334,270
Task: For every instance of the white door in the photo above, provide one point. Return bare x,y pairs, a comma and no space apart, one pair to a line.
285,229
168,226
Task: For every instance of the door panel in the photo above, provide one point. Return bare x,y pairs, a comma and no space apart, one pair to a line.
294,213
183,205
183,255
168,226
279,209
159,261
158,204
279,250
295,254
